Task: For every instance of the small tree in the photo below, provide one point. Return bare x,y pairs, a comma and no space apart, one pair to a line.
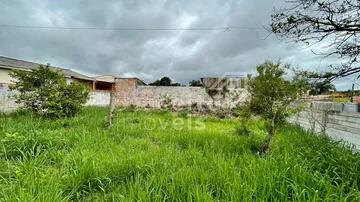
46,92
272,97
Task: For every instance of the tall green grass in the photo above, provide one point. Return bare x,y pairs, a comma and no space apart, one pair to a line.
157,156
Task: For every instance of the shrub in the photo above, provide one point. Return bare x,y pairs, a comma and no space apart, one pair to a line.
130,108
166,103
221,113
184,113
46,92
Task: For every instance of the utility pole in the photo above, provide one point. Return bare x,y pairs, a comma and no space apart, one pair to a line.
352,93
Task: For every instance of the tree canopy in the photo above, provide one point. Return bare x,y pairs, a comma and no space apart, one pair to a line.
335,24
47,93
164,81
195,83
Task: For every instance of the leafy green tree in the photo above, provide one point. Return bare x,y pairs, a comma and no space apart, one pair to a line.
272,98
195,83
164,81
46,92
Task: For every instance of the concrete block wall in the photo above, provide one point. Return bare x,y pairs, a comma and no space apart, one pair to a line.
128,92
339,121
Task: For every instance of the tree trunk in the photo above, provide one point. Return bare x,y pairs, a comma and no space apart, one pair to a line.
266,147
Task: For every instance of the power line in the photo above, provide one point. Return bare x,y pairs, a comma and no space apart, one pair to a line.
228,28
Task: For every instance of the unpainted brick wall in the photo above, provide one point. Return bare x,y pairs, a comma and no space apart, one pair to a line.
129,93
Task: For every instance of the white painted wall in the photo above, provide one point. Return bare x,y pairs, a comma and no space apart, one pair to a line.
7,103
4,76
99,98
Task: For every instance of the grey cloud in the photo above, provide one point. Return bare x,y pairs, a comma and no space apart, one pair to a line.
182,55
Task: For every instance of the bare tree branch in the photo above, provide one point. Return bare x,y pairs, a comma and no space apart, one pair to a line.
333,23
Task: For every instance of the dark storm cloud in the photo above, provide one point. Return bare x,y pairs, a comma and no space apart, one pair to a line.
182,55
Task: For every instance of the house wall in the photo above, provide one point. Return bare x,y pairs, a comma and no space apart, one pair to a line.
7,103
4,76
127,93
337,120
99,98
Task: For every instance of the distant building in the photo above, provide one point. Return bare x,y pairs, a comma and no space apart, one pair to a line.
7,65
112,78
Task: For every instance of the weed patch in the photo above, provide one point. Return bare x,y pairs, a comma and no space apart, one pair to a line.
178,158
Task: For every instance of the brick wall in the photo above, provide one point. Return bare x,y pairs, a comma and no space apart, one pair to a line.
356,99
128,92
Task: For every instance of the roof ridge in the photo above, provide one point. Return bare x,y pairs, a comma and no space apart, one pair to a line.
19,63
19,60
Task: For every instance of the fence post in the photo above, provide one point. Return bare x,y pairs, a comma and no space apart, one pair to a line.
111,106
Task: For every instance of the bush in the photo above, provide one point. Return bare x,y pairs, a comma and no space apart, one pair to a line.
166,103
46,92
183,113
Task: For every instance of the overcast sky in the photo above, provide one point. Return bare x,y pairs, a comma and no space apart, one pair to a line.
149,55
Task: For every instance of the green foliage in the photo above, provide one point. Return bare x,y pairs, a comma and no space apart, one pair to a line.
46,92
341,99
164,81
271,94
195,83
244,113
272,97
322,89
183,113
313,83
77,160
166,103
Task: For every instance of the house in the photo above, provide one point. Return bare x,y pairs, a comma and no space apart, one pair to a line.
7,65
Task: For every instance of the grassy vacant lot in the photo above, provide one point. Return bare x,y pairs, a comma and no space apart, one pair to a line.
162,156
